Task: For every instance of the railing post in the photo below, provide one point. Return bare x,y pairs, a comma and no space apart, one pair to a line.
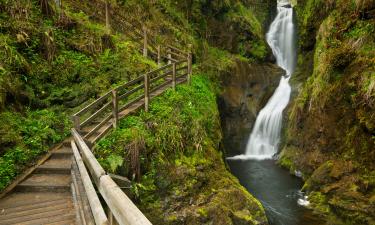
147,94
189,69
159,56
190,63
145,53
115,108
76,123
169,56
174,76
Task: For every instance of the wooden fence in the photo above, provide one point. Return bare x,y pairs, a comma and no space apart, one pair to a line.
93,121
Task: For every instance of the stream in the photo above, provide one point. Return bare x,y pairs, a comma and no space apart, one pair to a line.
278,190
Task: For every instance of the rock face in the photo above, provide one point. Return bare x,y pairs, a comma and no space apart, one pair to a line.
330,135
245,91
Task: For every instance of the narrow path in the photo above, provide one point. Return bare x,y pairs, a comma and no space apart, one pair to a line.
53,193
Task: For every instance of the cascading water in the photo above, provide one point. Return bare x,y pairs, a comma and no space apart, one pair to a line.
277,190
264,139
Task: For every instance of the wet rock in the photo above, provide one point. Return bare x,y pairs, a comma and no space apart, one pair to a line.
245,92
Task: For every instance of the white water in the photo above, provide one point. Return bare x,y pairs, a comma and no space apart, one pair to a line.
265,137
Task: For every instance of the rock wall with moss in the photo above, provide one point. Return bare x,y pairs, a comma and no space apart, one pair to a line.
331,127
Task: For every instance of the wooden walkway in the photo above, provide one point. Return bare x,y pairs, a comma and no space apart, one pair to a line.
58,190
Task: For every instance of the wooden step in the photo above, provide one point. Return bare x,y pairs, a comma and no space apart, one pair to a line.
45,182
18,212
18,199
63,152
46,217
55,165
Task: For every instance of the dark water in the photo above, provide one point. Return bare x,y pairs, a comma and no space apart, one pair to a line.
277,190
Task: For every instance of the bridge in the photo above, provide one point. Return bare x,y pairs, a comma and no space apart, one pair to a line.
68,185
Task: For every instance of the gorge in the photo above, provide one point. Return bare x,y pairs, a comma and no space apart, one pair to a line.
261,135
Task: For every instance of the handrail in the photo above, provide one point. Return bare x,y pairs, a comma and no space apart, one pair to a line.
95,205
93,104
124,210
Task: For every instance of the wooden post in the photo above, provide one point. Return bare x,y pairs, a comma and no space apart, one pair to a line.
145,53
174,76
169,56
115,108
189,70
107,24
76,123
147,94
110,217
159,56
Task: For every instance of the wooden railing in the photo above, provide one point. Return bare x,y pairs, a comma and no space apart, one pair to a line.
92,118
125,212
102,115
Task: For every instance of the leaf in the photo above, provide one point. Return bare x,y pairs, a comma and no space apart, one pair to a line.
114,162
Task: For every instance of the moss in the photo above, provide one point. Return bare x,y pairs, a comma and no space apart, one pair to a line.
319,203
183,172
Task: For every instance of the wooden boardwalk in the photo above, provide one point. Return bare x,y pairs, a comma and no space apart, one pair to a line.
55,191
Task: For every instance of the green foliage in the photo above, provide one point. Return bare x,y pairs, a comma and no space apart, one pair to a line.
26,138
114,161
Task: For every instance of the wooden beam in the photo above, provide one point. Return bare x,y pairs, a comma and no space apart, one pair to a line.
147,94
145,41
93,104
159,55
95,115
76,123
92,164
189,69
123,209
114,108
95,205
174,76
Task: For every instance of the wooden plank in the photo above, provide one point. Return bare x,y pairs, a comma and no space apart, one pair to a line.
132,102
174,76
160,69
190,67
170,59
130,83
114,108
121,206
95,205
93,104
76,123
147,89
182,68
176,49
182,75
161,85
177,55
97,127
159,55
102,134
127,94
145,41
96,114
160,76
92,164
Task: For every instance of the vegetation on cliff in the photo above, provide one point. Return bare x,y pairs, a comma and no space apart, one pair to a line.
331,135
172,151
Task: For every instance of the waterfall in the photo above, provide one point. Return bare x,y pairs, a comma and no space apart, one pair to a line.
265,136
